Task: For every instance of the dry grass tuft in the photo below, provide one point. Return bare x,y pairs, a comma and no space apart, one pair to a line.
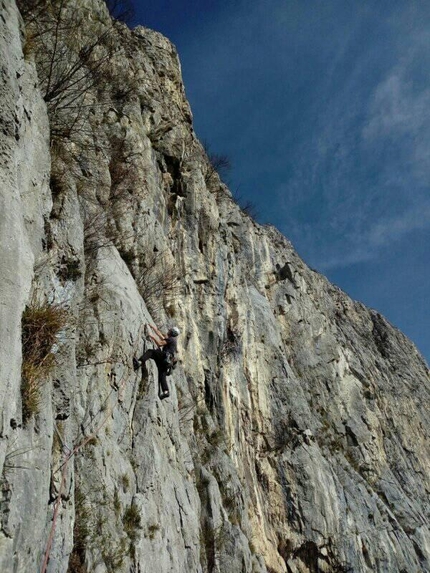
41,324
131,521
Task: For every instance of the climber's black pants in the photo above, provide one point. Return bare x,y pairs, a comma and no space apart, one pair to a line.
158,357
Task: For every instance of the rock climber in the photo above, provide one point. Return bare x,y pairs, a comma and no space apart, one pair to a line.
285,272
164,356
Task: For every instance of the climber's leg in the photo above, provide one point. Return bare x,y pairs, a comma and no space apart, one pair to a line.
137,362
162,384
147,355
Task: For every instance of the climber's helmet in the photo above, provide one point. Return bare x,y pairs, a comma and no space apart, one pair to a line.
174,331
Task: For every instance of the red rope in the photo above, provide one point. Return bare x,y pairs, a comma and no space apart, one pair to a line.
54,518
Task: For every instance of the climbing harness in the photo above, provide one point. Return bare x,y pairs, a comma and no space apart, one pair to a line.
168,359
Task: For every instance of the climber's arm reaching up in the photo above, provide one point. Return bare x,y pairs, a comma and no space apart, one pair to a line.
159,339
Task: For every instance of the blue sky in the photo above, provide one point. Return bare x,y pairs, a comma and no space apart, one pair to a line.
324,109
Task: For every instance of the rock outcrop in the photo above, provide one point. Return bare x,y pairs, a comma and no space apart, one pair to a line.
296,436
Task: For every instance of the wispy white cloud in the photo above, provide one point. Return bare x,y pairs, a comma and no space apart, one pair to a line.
366,165
365,246
399,111
390,229
342,260
397,108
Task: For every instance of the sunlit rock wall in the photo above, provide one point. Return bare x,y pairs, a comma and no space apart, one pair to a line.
296,436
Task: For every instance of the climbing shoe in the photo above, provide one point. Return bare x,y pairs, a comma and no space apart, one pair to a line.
164,394
136,364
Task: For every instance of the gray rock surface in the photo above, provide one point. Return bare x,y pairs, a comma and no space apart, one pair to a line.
25,453
296,436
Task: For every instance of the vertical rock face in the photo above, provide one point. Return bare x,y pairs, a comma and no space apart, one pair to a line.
25,454
296,435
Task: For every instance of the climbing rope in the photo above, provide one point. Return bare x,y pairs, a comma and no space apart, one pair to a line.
69,453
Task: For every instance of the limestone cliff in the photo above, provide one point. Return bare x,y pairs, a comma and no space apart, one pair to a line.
296,436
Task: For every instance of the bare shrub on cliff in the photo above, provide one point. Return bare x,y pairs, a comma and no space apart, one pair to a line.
158,282
100,231
69,65
218,164
126,177
30,9
95,235
246,205
101,220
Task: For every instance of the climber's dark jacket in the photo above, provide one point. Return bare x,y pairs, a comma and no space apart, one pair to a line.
171,345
